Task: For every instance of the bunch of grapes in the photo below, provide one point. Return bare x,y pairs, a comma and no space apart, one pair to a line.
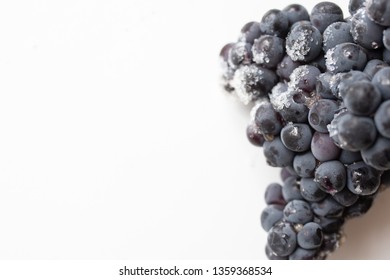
319,85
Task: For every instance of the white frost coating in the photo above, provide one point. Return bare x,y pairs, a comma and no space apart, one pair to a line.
330,60
294,131
297,76
357,175
244,77
239,50
300,47
260,57
281,100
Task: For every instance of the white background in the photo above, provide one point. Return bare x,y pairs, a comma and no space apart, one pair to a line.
117,141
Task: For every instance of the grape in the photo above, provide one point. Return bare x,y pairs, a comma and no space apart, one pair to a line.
379,11
355,5
386,56
348,157
386,38
240,53
345,197
360,207
296,137
286,173
252,82
271,255
378,155
349,126
303,43
331,176
325,13
310,190
345,57
365,32
381,80
362,98
270,216
363,179
291,189
304,164
298,212
273,194
323,86
330,225
282,239
304,78
286,67
274,22
328,208
321,114
250,32
310,236
268,51
295,13
335,34
267,120
302,254
349,78
373,66
323,147
254,135
277,154
289,105
382,119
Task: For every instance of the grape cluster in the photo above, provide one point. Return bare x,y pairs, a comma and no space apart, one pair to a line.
319,84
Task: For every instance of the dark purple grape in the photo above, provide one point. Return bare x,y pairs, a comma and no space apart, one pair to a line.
378,155
254,135
296,137
379,11
365,32
319,62
382,119
275,22
362,98
304,42
321,114
363,179
304,78
268,51
386,56
286,67
345,197
273,194
251,82
295,13
330,225
287,172
373,66
291,189
298,212
310,236
355,5
271,255
335,34
323,86
290,106
386,38
328,208
385,180
310,190
345,57
323,147
325,13
282,239
277,154
331,176
349,78
381,80
240,53
304,164
250,32
302,254
348,157
360,207
267,120
355,133
270,216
